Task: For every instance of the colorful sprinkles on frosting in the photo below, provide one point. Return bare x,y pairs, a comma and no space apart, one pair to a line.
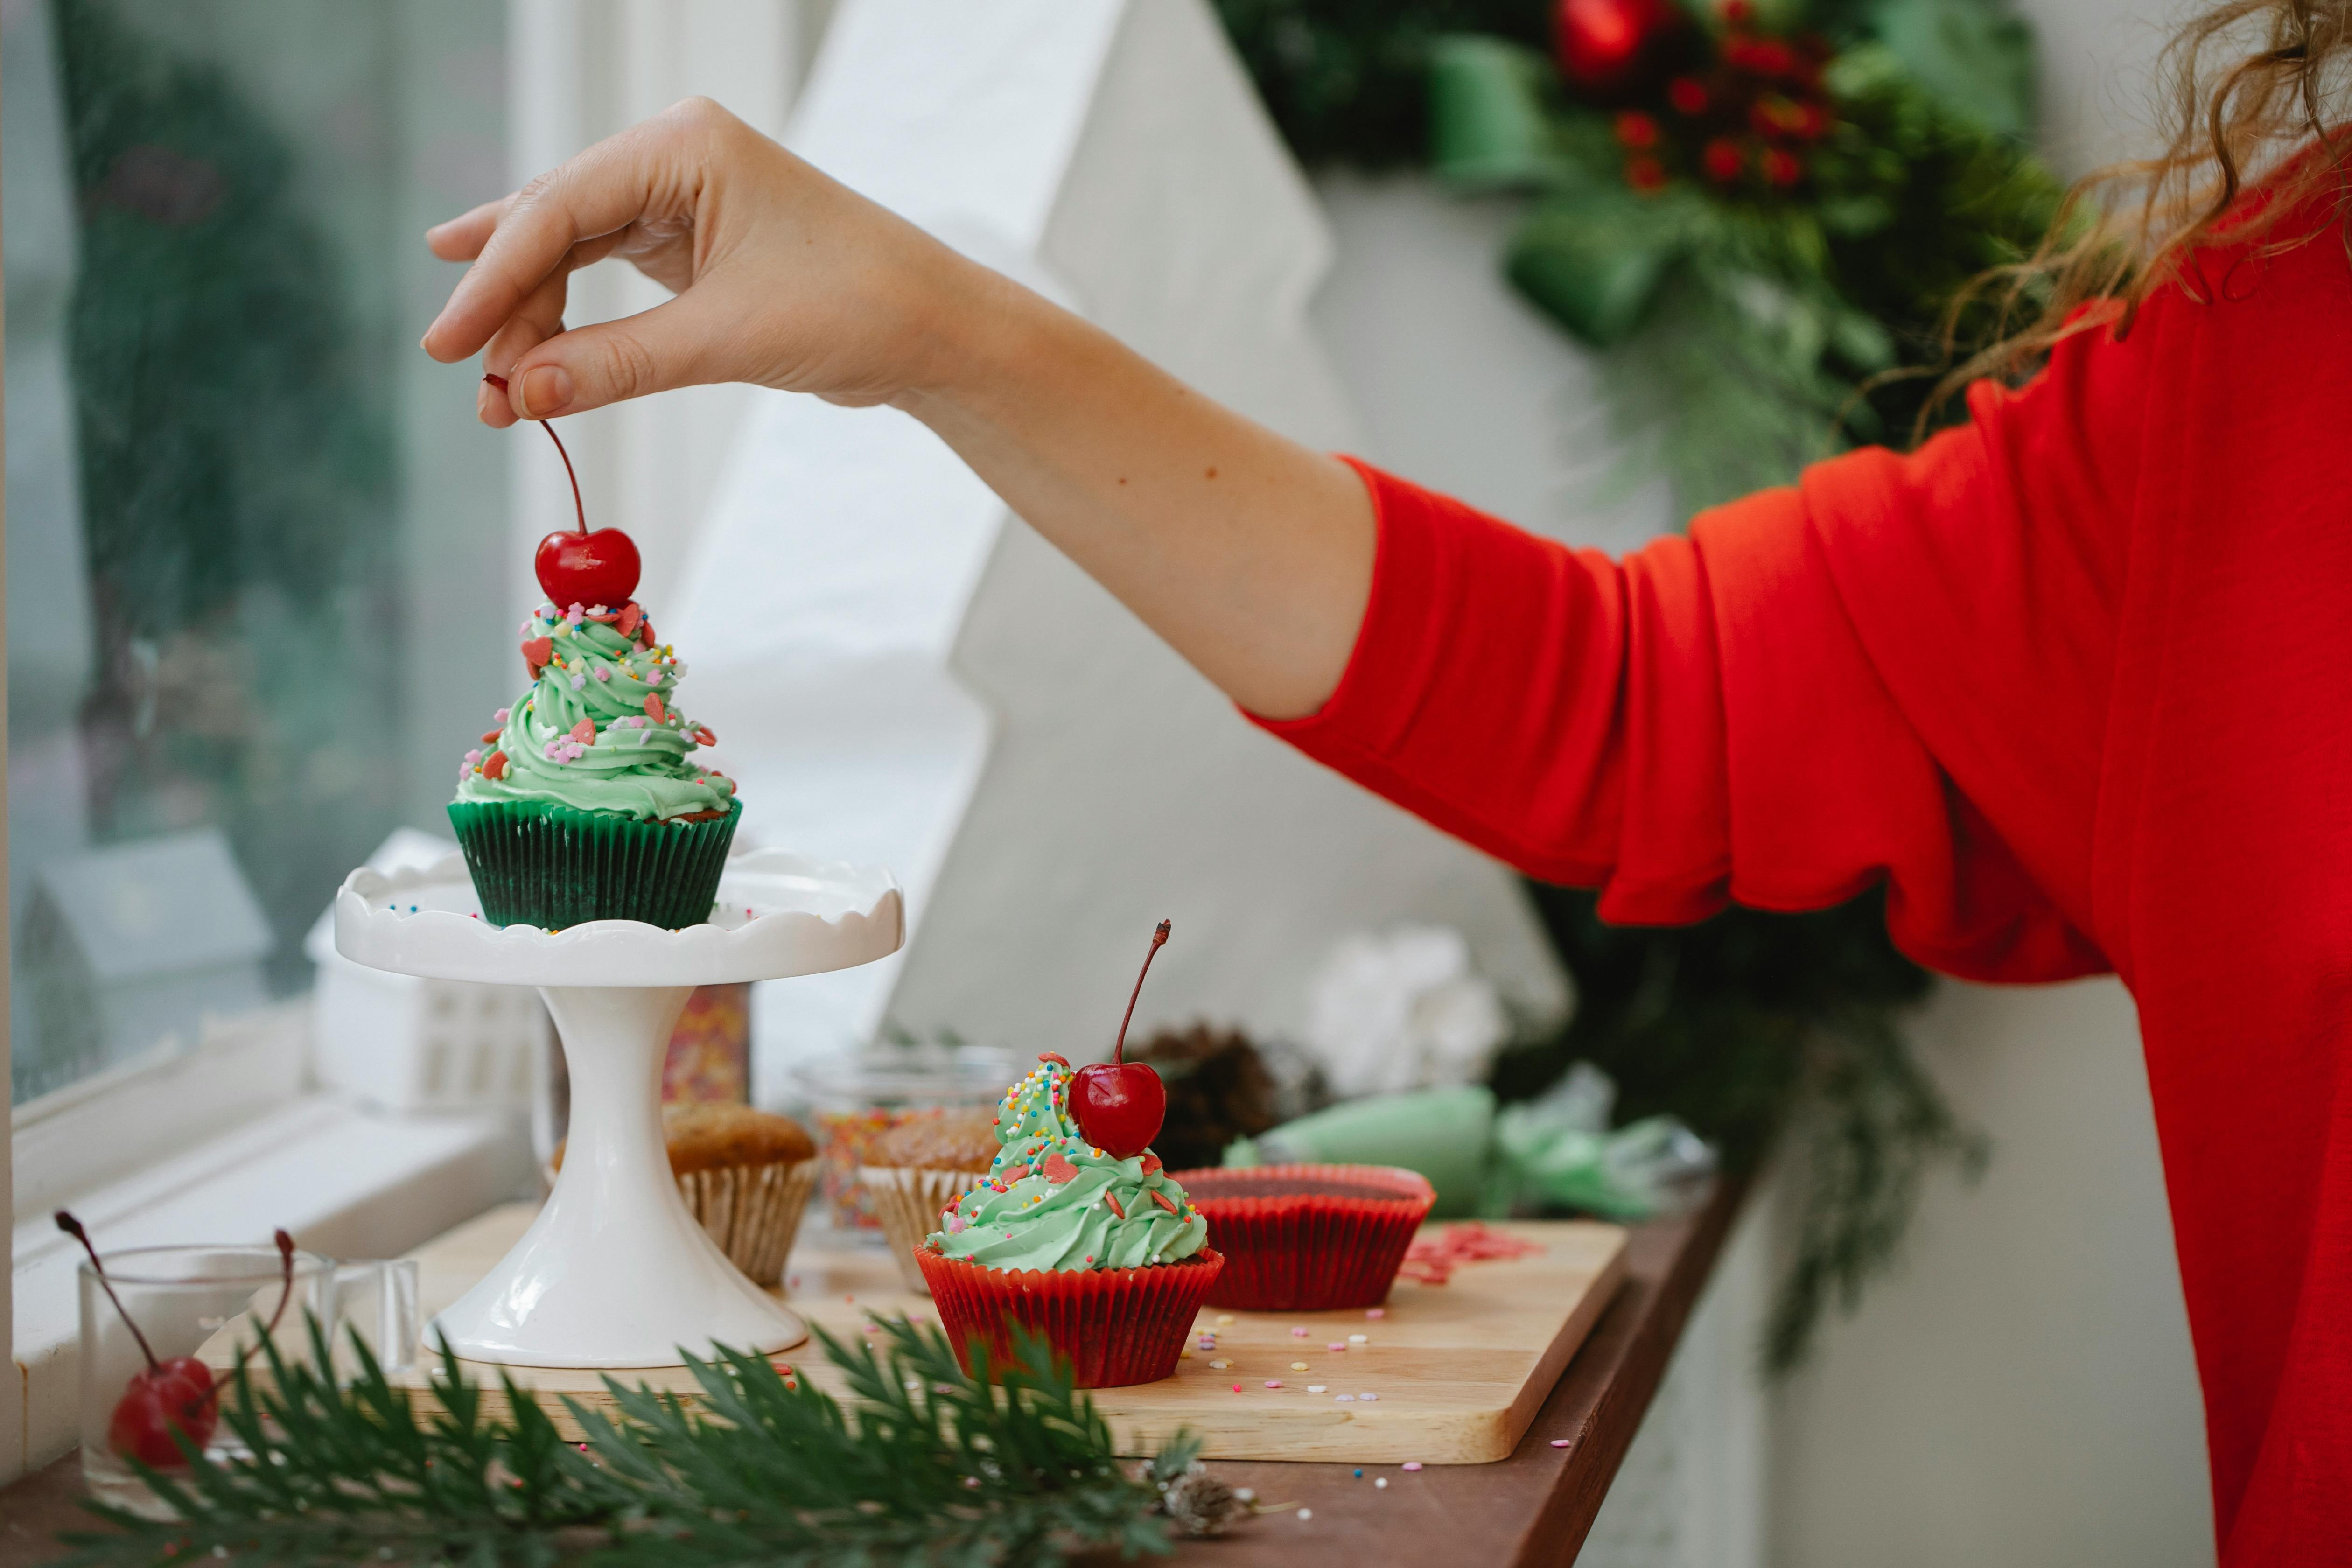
596,730
1062,1201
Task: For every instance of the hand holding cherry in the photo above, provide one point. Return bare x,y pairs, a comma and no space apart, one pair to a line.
577,567
1121,1104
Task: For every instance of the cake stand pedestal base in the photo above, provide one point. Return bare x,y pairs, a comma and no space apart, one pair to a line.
615,1271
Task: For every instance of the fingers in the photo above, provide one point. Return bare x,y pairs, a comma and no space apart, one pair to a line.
538,318
461,239
589,367
650,171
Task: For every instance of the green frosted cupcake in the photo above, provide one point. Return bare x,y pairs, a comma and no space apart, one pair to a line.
586,803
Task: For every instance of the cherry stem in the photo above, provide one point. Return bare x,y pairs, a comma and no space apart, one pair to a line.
285,1294
578,507
1158,940
73,1227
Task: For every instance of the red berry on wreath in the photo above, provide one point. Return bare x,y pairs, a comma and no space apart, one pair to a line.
1738,13
1687,94
1782,167
1722,160
1599,42
1637,130
1645,173
1761,56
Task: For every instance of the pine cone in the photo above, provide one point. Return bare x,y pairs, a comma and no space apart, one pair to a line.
1218,1089
1200,1503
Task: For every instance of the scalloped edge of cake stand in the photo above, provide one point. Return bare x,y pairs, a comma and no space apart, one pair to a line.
797,915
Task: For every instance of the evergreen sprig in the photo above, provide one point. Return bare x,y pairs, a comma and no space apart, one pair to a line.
924,1465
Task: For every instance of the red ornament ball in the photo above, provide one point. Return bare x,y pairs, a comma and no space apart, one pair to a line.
1599,42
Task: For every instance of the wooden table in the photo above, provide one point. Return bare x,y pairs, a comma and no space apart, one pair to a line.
1533,1508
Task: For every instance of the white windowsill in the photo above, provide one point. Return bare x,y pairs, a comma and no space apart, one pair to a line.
346,1180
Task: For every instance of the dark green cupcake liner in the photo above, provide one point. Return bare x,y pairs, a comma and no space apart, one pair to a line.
552,866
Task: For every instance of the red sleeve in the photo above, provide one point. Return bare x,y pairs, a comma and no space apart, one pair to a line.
1894,671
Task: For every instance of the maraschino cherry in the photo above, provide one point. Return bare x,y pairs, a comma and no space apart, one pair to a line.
575,566
176,1396
1121,1104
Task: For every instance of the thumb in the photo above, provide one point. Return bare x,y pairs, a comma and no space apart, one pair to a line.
611,361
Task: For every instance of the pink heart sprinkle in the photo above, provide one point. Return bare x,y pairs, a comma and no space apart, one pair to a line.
1376,1312
584,730
1336,1345
1412,1464
1274,1383
654,707
1299,1333
1559,1442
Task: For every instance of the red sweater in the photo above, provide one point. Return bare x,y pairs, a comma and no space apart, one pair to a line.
2073,680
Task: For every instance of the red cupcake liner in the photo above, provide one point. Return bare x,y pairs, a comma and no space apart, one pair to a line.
1117,1326
1308,1250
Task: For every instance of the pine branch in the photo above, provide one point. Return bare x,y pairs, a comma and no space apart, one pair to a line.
924,1465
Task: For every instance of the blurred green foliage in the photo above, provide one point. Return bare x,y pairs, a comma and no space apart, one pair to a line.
237,482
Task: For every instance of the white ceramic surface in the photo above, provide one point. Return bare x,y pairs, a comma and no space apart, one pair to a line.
615,1271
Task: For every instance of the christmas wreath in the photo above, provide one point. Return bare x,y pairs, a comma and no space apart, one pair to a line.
1763,218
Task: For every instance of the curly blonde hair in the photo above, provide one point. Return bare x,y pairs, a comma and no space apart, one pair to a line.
2251,89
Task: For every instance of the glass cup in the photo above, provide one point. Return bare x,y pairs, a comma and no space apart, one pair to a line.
213,1305
854,1099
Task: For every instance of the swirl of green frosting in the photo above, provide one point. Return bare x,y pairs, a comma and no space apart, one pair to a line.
634,756
1052,1200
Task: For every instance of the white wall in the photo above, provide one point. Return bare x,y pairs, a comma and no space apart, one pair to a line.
2021,1392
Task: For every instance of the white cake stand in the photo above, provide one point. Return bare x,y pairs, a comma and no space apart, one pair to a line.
615,1271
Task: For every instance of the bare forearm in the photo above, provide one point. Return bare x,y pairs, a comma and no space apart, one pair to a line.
1250,553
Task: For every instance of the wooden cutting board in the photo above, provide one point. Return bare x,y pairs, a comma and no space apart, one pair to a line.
1455,1371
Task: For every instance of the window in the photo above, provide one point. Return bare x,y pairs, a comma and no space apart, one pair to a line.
256,543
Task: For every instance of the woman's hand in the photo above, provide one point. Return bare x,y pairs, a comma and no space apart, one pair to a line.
1251,555
783,276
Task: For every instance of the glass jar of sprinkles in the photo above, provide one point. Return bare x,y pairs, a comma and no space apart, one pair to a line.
854,1099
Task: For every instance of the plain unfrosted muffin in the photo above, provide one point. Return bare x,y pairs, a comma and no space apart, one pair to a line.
704,1137
954,1140
915,1170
